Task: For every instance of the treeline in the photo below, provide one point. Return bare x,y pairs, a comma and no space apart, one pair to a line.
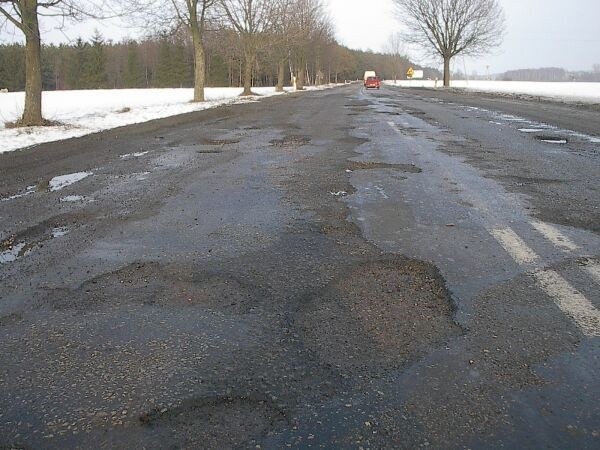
555,74
167,61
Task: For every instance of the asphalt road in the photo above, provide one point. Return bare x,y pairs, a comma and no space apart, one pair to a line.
335,269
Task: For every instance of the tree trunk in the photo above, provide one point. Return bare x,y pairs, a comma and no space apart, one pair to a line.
300,77
447,71
32,113
249,64
199,70
280,76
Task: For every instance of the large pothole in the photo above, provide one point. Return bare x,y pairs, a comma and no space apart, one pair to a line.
388,311
161,285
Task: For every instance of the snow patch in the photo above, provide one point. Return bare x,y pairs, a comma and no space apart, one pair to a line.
567,91
62,181
90,111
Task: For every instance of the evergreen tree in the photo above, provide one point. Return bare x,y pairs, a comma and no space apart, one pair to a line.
75,64
218,72
12,67
133,76
180,68
94,68
164,72
48,74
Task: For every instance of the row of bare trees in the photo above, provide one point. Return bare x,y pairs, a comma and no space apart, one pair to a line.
285,27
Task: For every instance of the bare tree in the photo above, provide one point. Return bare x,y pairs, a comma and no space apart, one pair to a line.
25,16
283,37
310,25
451,27
396,48
251,19
193,15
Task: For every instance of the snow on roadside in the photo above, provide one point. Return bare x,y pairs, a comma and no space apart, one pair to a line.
573,92
85,112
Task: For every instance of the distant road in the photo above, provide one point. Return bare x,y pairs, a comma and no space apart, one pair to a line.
399,268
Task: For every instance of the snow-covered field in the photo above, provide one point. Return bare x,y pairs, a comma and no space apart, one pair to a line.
571,92
85,112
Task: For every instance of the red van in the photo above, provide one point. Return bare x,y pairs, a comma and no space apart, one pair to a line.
373,83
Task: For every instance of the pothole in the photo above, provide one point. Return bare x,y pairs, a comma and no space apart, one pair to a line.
209,151
552,139
365,165
290,141
162,285
399,309
531,130
62,181
133,155
219,142
28,191
224,420
18,246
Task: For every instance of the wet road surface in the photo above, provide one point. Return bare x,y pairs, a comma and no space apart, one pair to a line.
337,269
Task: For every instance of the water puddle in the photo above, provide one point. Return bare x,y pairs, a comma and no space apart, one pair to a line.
133,155
30,190
14,248
60,231
13,252
531,130
552,139
529,126
62,181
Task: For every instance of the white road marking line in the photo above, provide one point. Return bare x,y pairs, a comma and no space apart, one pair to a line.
570,301
555,236
514,245
593,268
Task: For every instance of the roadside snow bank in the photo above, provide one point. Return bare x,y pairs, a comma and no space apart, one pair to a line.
85,112
574,92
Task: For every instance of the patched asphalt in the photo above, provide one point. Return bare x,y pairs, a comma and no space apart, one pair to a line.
312,270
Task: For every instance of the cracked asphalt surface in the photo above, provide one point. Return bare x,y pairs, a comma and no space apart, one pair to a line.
333,269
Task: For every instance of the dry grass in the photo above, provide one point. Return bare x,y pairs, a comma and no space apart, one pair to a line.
20,124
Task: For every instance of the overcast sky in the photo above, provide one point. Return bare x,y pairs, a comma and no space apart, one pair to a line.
540,33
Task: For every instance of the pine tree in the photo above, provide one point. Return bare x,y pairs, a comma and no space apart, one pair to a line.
76,62
12,67
133,76
180,69
164,73
94,68
218,73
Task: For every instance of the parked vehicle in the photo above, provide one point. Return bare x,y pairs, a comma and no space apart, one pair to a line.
373,83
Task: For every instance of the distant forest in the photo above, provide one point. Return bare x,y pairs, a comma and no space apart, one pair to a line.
166,61
551,74
548,74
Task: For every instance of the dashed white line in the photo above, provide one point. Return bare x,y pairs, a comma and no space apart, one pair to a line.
570,301
514,245
555,236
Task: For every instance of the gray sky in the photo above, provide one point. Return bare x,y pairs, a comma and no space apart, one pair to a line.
540,33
